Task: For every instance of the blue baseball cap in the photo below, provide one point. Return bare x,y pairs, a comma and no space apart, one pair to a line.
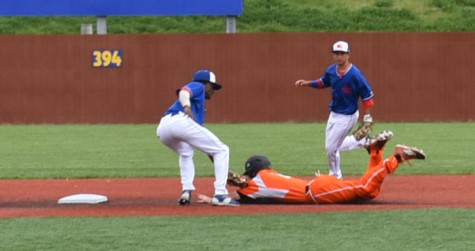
206,76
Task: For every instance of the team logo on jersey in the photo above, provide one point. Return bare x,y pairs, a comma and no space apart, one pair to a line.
347,90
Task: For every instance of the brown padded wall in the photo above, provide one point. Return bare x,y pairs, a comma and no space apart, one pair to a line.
50,79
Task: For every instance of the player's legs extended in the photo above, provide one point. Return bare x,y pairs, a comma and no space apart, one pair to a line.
204,140
391,164
375,158
338,127
328,190
369,185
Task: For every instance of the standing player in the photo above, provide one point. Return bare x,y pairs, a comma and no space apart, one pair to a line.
348,86
181,129
262,184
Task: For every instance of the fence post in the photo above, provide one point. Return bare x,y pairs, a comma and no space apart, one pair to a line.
101,25
231,24
86,29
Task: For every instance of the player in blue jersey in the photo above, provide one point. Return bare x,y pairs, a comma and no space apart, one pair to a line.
348,86
181,129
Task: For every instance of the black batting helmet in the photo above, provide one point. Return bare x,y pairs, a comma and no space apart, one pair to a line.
256,163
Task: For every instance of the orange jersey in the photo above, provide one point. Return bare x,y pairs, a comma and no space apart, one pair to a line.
270,184
324,189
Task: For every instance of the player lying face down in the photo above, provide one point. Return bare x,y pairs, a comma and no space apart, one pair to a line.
260,183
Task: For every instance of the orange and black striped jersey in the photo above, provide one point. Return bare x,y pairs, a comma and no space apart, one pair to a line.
323,189
269,184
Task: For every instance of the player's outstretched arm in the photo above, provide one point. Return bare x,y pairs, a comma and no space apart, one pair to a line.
302,82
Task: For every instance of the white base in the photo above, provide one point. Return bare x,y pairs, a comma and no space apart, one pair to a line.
83,199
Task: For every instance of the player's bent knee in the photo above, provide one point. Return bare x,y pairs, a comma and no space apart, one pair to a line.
223,150
186,154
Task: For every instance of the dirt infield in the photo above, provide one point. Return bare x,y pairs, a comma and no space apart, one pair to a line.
157,196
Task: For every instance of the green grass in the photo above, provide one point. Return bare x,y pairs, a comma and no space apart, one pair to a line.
90,151
431,229
78,151
86,151
279,16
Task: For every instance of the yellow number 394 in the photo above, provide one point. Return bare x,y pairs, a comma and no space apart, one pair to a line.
107,58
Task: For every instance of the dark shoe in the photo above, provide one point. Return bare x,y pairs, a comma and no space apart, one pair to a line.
185,198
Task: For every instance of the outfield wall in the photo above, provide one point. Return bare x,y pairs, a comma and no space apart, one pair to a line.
51,78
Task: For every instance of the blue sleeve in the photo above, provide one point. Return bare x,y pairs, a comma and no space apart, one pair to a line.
196,89
364,88
326,79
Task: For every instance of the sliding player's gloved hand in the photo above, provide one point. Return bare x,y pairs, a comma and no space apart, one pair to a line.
235,179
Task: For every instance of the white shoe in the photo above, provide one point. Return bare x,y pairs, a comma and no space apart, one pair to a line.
223,200
378,141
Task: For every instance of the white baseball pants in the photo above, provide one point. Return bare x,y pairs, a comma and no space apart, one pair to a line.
337,139
181,134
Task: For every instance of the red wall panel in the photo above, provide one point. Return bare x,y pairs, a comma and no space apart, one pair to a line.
50,79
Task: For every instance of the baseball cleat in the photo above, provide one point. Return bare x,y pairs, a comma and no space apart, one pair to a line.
223,200
377,142
405,153
185,198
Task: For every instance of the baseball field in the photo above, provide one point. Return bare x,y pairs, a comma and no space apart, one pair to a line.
429,206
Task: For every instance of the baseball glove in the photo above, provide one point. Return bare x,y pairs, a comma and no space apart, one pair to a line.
235,179
364,129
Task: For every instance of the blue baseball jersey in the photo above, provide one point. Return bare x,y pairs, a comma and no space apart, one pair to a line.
197,101
346,88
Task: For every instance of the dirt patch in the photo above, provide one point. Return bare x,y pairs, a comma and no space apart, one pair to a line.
157,196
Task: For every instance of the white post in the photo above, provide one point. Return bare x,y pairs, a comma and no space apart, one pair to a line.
231,24
102,25
86,29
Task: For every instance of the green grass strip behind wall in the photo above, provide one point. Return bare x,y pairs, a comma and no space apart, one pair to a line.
278,16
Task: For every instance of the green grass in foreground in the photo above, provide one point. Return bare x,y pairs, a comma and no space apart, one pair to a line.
431,229
89,151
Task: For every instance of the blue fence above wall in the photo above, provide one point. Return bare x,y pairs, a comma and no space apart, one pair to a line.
103,8
120,7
